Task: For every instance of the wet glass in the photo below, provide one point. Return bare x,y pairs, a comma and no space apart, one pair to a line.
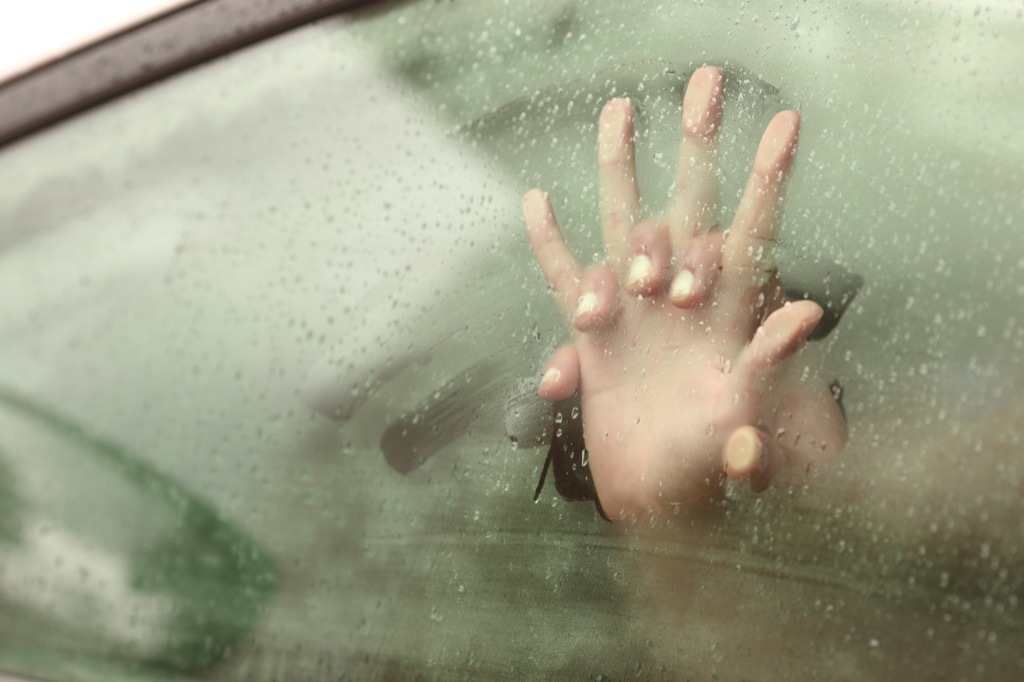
272,334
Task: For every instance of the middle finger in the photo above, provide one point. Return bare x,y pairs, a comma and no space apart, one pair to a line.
694,206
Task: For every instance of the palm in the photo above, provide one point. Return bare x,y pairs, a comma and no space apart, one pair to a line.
681,334
650,350
658,401
627,420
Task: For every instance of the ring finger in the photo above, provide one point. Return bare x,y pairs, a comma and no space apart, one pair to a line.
620,198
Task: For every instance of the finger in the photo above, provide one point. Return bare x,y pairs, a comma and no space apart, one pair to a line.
598,304
697,271
620,199
774,294
694,207
753,306
748,245
781,335
562,376
556,261
810,425
751,454
651,259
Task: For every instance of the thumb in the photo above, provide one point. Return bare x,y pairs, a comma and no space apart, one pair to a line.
751,454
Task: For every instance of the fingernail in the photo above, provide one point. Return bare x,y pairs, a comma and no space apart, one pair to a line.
744,451
587,304
640,270
534,206
701,93
778,142
682,285
550,376
613,123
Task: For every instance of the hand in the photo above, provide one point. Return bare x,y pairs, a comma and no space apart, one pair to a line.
684,343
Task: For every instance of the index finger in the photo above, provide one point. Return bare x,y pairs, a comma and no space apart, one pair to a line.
560,267
694,205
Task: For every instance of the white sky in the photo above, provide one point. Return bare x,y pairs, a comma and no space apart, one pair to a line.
34,32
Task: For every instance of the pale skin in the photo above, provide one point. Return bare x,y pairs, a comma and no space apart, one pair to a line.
685,351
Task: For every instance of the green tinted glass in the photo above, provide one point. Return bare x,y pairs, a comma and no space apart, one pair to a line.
272,335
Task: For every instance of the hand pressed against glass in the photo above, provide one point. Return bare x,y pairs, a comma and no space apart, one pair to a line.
683,339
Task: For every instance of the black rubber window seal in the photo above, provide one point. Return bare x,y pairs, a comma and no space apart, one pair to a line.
146,53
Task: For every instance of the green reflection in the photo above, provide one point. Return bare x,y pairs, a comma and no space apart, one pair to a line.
10,522
204,581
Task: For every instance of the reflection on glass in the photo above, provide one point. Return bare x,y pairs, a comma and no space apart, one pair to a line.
298,281
105,564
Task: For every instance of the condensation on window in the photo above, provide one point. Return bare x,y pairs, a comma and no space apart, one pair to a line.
272,335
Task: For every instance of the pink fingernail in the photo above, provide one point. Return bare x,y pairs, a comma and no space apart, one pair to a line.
613,124
535,206
779,141
702,94
744,451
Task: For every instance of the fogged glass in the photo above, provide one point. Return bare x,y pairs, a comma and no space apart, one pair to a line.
271,335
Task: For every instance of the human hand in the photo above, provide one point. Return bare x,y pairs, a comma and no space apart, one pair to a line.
684,343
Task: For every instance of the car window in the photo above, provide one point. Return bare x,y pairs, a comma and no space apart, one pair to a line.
35,34
273,333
